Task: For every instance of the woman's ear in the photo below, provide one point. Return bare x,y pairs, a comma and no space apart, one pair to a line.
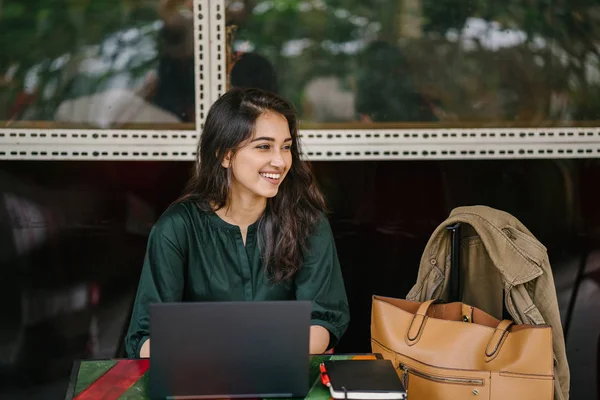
226,163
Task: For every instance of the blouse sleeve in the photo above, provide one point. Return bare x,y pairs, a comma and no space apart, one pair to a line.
162,277
320,280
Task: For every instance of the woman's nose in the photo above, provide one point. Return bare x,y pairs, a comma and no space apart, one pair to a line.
277,160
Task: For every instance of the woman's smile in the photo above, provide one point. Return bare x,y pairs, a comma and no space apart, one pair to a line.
271,177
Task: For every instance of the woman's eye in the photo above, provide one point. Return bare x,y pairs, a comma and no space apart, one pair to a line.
287,147
263,146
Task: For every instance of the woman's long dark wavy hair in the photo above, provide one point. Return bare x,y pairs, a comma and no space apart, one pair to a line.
292,215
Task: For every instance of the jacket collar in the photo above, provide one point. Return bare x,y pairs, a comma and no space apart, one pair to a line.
502,234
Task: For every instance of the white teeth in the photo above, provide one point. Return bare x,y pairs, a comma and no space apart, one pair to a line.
272,176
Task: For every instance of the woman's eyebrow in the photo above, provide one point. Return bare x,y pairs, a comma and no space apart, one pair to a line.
269,139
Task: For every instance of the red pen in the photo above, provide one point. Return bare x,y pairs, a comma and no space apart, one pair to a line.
324,375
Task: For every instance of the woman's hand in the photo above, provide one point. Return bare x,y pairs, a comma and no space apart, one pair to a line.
319,339
145,350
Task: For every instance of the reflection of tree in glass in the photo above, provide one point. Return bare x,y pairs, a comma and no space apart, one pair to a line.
385,88
290,34
57,50
551,72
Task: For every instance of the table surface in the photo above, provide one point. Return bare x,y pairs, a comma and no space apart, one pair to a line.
123,379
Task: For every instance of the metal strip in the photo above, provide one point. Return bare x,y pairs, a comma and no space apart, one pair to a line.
313,152
116,152
440,136
465,151
218,40
202,60
14,137
331,138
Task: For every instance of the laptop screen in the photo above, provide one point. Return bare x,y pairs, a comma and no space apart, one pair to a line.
229,349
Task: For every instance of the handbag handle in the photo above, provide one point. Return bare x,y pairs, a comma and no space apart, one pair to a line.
413,334
415,330
497,339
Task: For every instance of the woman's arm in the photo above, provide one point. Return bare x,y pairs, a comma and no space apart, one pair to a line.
320,281
161,280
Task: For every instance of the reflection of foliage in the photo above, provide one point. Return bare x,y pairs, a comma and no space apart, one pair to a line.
58,49
550,71
571,31
277,27
52,50
385,91
441,15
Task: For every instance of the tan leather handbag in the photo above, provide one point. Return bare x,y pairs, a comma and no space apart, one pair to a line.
455,351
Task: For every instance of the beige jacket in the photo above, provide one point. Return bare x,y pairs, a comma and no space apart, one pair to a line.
498,253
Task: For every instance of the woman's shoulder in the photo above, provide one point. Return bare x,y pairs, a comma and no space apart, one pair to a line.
179,215
321,227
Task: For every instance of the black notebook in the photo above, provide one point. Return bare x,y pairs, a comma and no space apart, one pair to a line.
362,379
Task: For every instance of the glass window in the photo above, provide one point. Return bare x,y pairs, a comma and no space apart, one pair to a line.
97,64
418,63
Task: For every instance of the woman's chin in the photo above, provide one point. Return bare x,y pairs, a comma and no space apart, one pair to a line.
270,193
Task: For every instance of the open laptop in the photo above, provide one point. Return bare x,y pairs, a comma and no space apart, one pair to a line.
229,349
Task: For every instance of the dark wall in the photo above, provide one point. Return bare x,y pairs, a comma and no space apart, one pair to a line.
73,238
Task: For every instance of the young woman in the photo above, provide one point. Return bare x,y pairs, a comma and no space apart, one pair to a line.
250,225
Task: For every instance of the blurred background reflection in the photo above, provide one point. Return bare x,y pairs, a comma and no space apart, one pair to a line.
98,64
398,63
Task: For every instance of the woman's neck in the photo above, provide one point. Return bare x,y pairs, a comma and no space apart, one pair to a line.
241,211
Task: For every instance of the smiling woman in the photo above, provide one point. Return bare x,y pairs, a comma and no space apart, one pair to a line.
250,225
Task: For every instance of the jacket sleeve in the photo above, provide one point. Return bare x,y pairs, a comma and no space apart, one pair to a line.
546,307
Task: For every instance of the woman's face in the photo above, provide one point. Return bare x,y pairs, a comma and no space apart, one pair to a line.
261,164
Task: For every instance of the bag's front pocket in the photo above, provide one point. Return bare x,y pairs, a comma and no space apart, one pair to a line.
435,384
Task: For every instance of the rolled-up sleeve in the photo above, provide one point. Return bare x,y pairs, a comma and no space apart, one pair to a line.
161,280
320,281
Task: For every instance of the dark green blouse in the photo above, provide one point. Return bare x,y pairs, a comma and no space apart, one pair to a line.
194,255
